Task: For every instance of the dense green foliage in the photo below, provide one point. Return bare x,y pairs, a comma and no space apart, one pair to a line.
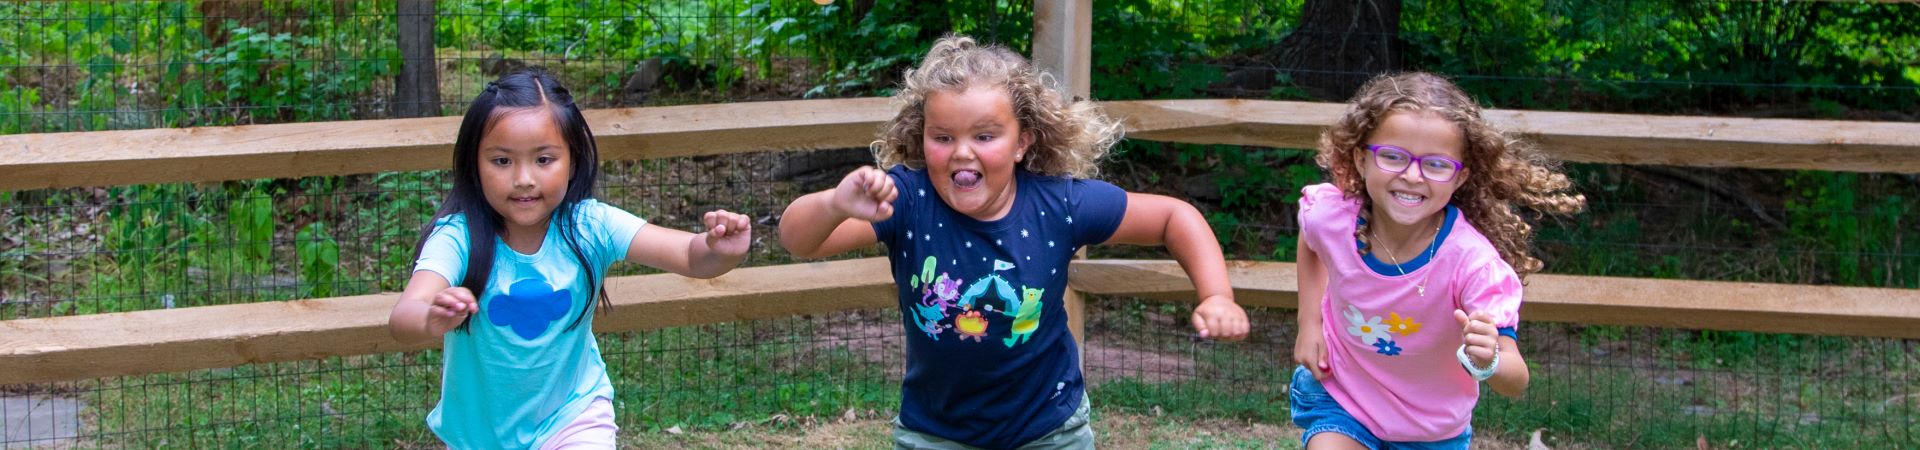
82,66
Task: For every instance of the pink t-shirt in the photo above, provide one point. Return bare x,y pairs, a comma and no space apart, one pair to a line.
1392,349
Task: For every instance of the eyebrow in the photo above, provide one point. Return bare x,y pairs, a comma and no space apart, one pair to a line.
499,149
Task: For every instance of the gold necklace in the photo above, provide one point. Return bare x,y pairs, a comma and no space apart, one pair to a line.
1422,287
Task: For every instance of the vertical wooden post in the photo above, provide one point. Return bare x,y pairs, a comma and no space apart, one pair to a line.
417,92
1063,47
1063,43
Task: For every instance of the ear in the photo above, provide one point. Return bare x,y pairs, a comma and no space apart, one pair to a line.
1026,142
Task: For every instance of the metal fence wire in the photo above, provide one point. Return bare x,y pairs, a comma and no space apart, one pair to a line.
92,66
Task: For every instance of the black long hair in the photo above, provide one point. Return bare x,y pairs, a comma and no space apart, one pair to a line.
530,88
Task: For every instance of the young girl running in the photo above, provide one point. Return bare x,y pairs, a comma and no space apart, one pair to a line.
983,207
1405,305
509,270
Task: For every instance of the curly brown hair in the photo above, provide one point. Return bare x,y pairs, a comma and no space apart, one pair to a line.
1503,172
1069,137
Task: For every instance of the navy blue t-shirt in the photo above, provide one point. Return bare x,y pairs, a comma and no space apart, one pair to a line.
990,362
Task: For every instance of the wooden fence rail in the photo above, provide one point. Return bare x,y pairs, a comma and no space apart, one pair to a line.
172,340
107,158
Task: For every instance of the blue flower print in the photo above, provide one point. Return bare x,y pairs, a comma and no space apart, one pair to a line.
1386,347
529,307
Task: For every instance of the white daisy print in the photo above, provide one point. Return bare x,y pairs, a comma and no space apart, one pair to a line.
1369,330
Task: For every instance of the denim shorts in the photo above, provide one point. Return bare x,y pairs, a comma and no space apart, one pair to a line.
1315,411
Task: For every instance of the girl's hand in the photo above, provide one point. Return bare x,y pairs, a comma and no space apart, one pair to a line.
1482,338
728,234
1219,318
866,194
1310,350
450,307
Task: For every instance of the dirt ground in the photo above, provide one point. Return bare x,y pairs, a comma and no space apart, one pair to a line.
1113,431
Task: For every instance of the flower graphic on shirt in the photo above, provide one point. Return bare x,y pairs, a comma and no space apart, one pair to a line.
1405,326
1386,347
1368,329
529,307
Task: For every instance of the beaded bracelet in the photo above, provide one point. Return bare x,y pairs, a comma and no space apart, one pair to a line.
1478,373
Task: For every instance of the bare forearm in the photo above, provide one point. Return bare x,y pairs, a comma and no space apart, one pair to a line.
1511,378
1193,244
408,322
704,262
807,223
1312,283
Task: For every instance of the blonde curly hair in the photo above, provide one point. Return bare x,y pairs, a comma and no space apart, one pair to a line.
1070,138
1503,172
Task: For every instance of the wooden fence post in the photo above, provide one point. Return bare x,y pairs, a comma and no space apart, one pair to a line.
417,92
1063,47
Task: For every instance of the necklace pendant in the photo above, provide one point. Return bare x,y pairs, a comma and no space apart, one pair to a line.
1421,289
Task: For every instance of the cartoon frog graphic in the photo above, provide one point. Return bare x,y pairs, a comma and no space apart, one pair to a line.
1026,316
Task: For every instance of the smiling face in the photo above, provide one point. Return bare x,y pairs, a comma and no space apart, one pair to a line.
973,142
1408,198
524,171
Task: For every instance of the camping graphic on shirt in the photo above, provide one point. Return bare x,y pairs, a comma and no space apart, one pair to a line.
1371,331
944,307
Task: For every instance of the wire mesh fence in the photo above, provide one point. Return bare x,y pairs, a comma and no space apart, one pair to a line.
88,66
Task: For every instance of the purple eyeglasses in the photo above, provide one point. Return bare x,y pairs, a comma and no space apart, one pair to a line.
1393,159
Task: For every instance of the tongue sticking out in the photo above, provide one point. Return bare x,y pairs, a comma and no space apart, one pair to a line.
966,179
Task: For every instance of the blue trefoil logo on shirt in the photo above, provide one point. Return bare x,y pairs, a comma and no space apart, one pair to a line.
529,307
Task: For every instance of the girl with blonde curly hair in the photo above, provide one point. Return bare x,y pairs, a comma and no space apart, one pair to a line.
1420,227
984,203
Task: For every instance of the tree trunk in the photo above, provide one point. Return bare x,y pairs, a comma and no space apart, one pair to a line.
418,89
1339,45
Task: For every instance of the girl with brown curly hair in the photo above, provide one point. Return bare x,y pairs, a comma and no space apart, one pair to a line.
982,208
1418,232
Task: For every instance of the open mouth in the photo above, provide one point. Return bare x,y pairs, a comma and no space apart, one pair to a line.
967,180
1409,199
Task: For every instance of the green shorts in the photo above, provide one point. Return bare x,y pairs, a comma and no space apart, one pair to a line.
1077,433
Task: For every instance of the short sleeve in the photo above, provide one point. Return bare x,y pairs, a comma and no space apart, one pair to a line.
609,229
445,250
1098,208
886,231
1314,200
1495,288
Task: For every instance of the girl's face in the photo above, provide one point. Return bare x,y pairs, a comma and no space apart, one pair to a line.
972,143
524,169
1410,198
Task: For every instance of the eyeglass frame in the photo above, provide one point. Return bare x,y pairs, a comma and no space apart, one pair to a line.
1414,160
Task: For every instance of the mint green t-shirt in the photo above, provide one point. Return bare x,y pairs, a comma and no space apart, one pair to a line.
518,373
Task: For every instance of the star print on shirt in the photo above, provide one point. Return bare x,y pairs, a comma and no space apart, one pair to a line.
1023,232
1069,219
1049,243
923,192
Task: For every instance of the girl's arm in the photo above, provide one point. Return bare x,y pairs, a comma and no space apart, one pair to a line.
1510,379
1310,346
1160,220
428,308
704,255
815,225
